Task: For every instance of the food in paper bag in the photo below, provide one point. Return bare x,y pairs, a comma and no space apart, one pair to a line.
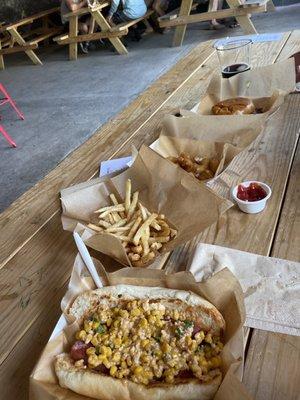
201,167
142,233
235,106
266,87
138,342
164,190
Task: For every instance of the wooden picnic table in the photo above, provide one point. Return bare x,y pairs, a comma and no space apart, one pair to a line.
107,31
36,255
240,9
12,40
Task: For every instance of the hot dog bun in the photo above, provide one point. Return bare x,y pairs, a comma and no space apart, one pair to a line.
95,384
236,106
104,387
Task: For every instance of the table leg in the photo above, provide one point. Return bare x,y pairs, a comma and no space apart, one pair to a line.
45,23
185,9
104,25
1,59
73,32
18,38
244,21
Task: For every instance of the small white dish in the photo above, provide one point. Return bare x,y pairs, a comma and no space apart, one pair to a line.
251,207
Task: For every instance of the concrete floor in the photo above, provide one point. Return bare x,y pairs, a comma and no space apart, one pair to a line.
65,102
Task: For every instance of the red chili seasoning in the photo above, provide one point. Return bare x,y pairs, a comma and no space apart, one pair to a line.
253,192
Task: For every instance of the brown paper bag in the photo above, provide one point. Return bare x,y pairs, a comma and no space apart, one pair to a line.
266,86
188,206
168,146
223,290
200,138
233,131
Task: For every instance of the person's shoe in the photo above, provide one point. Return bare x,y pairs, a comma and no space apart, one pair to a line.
84,47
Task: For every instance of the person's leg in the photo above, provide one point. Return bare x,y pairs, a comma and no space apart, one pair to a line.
83,28
214,6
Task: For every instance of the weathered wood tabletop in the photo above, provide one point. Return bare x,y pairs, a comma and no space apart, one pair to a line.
36,255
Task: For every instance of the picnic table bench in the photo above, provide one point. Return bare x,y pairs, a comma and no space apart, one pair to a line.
240,9
36,255
12,40
112,33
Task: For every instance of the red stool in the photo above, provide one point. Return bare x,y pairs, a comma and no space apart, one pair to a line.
8,99
7,137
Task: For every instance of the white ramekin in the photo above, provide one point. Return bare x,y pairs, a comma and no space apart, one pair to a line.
251,207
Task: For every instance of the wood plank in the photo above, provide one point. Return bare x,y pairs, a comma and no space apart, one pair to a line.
16,377
46,35
18,38
46,260
36,294
31,18
32,210
73,32
104,25
17,49
273,366
65,39
267,159
274,359
185,9
244,20
288,230
292,46
272,369
208,16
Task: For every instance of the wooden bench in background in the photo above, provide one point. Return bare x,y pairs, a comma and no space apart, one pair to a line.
112,33
240,9
12,40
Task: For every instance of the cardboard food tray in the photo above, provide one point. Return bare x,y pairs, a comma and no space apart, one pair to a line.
223,290
187,206
266,86
198,137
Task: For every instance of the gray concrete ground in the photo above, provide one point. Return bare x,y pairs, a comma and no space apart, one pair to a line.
65,102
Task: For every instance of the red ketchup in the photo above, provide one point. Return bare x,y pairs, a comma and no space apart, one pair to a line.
253,192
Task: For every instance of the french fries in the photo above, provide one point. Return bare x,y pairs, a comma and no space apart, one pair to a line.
141,232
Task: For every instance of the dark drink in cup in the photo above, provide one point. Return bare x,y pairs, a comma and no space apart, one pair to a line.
234,69
234,56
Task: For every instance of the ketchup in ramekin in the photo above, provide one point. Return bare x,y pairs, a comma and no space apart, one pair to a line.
253,192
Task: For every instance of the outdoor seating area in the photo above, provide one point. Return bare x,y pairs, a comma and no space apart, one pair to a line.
158,256
12,41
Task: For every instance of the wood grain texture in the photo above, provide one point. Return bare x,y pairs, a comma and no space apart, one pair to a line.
291,47
272,368
33,209
45,258
267,159
287,239
18,38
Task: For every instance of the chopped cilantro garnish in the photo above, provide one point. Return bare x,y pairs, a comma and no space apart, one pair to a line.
188,324
178,332
101,329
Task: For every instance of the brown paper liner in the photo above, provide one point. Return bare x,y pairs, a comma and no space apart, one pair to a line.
223,290
266,86
188,206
